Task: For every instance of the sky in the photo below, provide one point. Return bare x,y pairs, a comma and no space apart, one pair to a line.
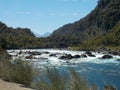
43,16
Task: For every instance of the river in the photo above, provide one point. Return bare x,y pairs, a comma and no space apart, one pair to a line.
99,71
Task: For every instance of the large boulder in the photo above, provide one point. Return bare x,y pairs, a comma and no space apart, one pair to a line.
66,57
107,57
76,56
90,54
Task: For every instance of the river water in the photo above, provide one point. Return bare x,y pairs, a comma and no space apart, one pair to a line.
99,71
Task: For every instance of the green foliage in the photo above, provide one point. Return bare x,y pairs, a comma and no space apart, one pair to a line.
15,38
107,41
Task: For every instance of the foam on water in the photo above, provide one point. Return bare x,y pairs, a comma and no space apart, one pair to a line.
55,60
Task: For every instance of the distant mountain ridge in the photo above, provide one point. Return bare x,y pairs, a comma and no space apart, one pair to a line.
103,18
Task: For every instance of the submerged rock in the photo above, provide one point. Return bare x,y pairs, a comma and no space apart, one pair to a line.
53,55
20,52
41,58
67,62
118,60
45,52
107,57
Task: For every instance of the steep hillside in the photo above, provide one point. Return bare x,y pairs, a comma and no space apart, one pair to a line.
103,18
109,41
15,38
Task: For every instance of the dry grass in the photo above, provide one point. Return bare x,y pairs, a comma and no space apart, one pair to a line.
22,73
54,80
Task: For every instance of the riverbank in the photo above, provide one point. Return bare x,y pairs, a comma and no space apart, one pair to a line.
11,86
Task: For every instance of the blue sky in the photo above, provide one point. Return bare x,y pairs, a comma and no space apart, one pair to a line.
43,15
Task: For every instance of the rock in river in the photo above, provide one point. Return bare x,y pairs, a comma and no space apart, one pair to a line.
76,56
34,53
53,55
29,57
90,54
107,57
66,57
83,56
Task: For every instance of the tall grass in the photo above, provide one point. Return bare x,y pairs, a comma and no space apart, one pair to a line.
20,72
54,80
